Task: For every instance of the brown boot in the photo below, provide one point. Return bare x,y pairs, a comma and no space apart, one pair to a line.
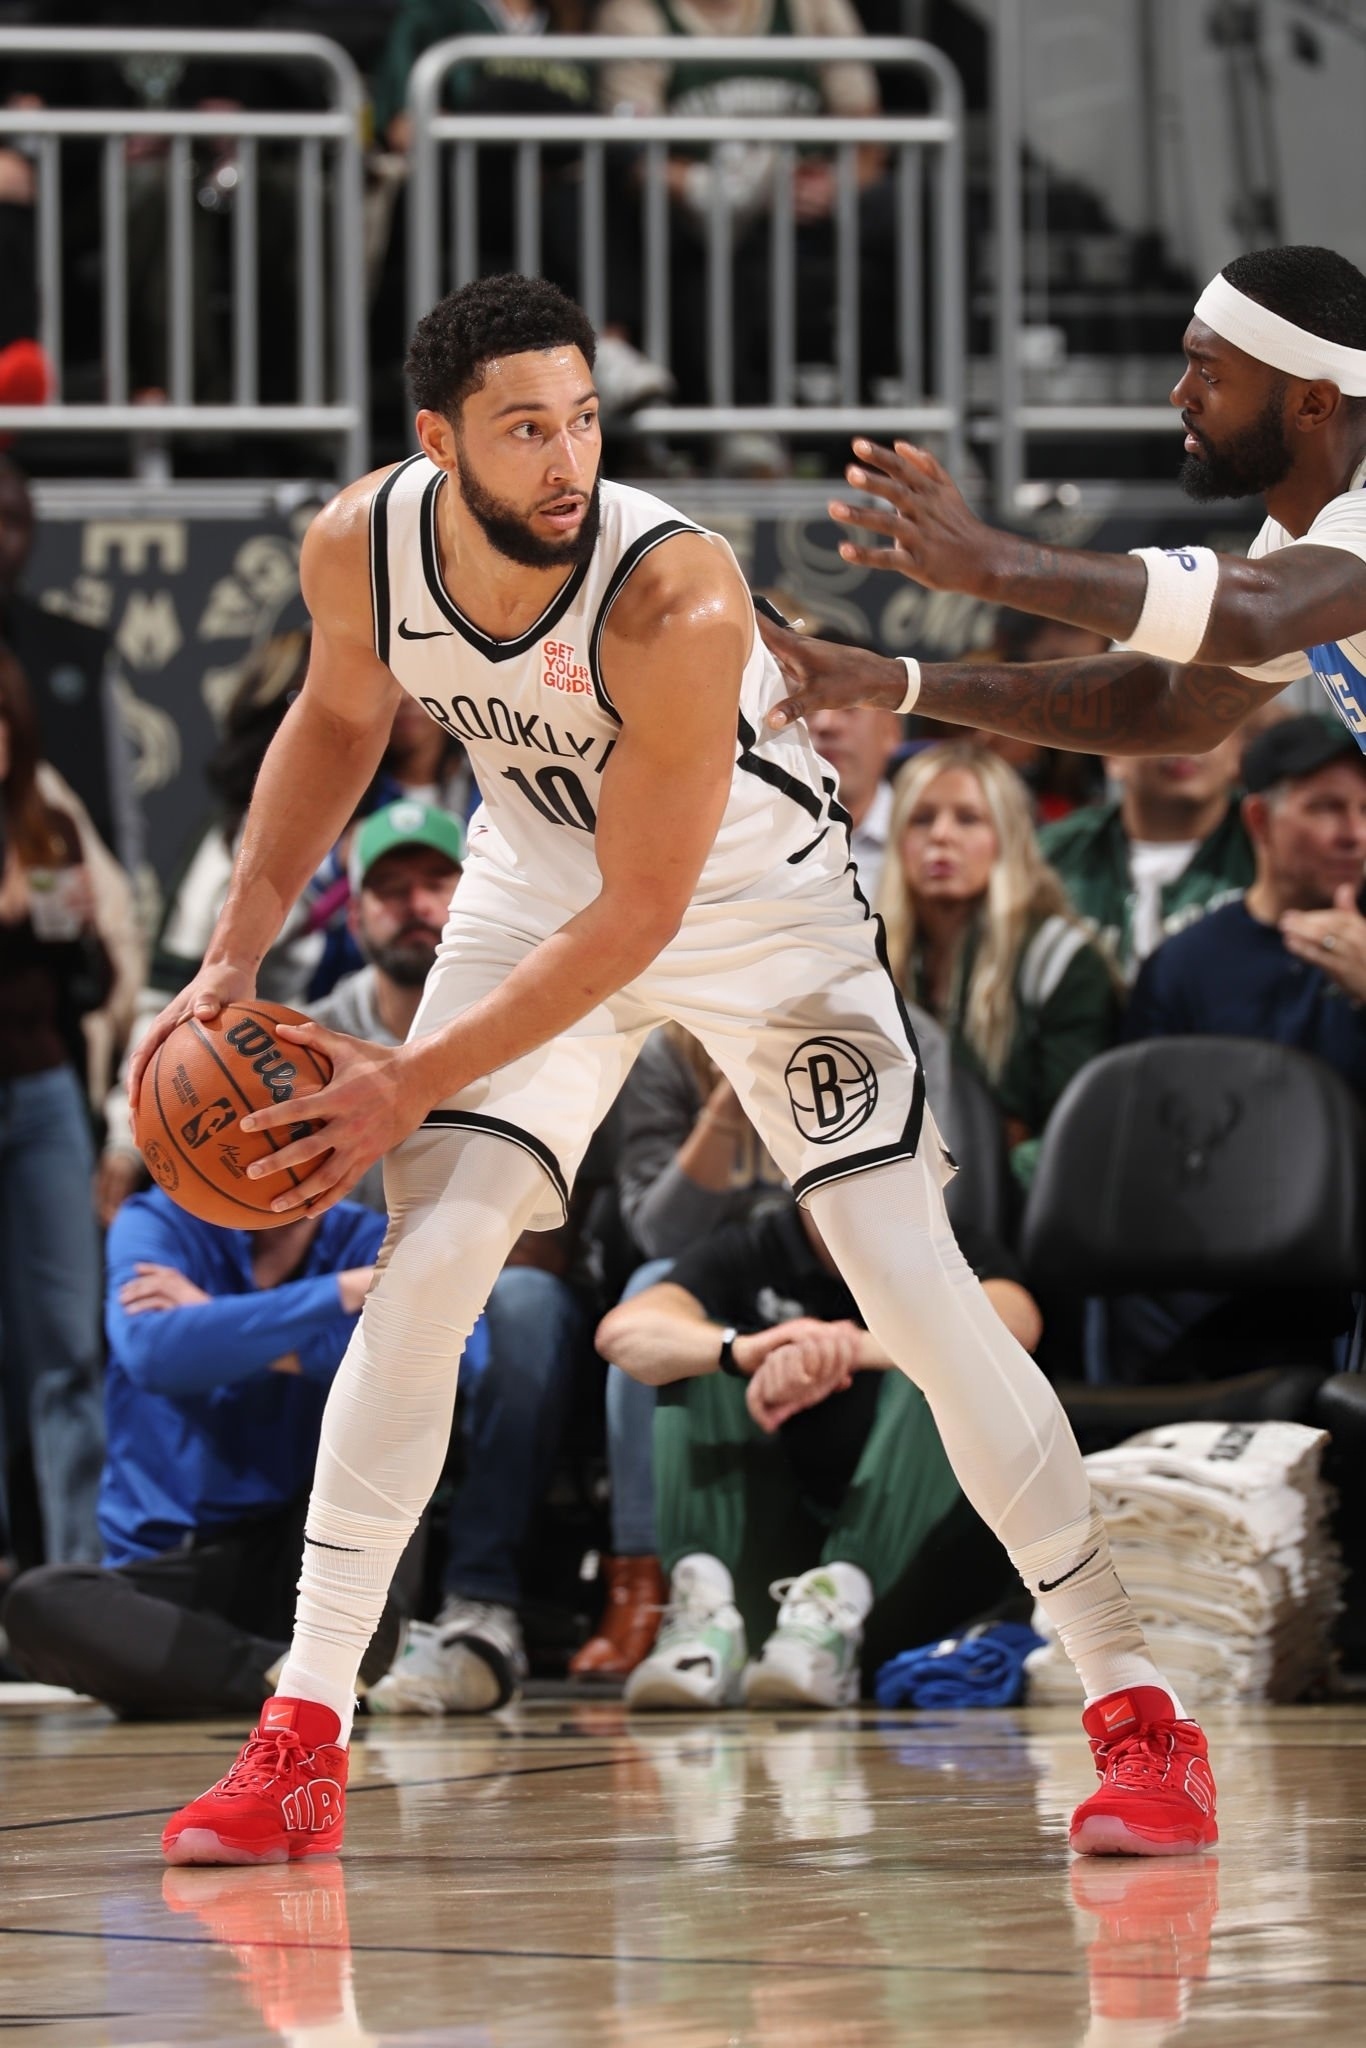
636,1592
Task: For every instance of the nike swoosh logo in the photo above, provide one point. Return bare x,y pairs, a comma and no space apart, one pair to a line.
695,1664
405,632
1052,1585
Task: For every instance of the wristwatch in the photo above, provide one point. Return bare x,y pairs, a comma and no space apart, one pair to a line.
727,1359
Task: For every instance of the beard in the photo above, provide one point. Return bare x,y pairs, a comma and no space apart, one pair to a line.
406,961
511,534
1247,465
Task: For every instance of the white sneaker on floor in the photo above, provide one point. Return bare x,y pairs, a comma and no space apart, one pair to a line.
626,379
812,1657
699,1652
469,1661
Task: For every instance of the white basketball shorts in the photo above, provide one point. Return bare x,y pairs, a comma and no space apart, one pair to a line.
792,999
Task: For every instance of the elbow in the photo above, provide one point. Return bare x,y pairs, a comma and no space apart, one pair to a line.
145,1366
615,1340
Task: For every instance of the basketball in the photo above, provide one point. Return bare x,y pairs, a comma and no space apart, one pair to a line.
202,1080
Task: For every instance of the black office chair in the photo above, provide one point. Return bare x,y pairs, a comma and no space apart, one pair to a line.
1225,1165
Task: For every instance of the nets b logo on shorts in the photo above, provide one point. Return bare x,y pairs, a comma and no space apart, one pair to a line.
832,1089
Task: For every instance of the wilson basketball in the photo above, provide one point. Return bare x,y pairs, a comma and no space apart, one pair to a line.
202,1080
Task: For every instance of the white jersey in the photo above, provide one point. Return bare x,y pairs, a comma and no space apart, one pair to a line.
539,724
1340,665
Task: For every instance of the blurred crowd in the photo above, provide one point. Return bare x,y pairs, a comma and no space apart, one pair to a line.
385,38
679,1461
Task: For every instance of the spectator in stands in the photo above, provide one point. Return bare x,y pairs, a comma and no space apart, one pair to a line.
981,934
405,862
1287,960
1057,781
744,173
74,677
785,1445
548,84
222,1345
54,967
1169,848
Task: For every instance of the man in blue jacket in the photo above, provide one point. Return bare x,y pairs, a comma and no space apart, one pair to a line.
222,1345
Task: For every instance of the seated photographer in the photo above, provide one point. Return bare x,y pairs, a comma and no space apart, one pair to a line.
784,1445
222,1345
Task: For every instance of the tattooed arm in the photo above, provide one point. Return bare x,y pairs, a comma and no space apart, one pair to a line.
1275,605
1101,704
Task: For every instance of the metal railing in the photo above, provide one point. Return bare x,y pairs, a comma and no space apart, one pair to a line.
330,371
926,152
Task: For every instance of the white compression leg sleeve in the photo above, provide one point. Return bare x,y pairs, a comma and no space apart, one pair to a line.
458,1201
1002,1425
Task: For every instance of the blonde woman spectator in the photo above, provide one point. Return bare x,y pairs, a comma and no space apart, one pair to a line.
981,934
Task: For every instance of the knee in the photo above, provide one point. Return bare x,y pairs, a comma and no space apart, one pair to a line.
533,1323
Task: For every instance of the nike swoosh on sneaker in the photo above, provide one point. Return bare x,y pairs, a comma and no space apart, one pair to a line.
695,1664
1052,1585
406,632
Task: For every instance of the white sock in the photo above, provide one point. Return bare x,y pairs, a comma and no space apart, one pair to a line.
1004,1430
458,1201
1072,1576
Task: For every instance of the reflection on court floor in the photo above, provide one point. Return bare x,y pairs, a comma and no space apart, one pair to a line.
564,1875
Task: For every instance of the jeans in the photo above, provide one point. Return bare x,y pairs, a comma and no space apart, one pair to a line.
630,1440
516,1418
50,1305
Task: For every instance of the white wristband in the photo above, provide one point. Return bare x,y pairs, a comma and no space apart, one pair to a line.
912,668
1177,604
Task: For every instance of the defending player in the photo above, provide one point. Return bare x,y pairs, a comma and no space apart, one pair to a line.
644,851
1273,400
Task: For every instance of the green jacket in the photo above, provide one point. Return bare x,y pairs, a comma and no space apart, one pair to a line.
528,85
1067,1009
1090,850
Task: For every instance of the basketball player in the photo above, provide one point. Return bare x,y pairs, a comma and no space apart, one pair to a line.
644,851
1273,400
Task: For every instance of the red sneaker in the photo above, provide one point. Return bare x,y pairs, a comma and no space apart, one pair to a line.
1156,1794
285,1797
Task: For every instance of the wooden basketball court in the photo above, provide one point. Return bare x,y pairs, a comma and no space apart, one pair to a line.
566,1874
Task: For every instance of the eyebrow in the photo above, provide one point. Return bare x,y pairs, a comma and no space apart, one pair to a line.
531,405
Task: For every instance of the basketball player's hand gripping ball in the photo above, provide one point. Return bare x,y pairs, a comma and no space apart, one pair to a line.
373,1101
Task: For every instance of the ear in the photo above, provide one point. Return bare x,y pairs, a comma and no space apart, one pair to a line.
1256,812
1319,402
437,436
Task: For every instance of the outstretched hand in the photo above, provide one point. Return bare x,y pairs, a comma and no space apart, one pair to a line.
823,677
370,1105
935,540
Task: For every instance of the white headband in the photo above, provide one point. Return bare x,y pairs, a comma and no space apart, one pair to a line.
1279,342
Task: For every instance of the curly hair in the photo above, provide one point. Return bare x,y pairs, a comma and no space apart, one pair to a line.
453,345
1316,288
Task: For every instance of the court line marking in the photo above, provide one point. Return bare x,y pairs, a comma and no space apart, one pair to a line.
81,1820
650,1961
